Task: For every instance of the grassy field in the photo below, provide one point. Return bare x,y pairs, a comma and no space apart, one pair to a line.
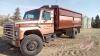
90,38
1,31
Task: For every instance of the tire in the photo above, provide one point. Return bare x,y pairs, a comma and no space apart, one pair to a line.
73,33
31,45
58,35
78,30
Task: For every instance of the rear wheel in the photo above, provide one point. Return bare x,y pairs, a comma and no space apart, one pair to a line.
73,32
58,35
31,45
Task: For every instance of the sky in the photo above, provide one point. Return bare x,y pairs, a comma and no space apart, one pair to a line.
89,8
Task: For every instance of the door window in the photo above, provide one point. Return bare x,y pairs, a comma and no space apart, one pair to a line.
46,16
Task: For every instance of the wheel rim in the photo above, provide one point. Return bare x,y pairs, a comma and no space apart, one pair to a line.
32,45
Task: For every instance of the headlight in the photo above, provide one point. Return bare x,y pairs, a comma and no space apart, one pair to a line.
16,33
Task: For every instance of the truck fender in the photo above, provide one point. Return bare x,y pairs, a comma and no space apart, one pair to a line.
37,32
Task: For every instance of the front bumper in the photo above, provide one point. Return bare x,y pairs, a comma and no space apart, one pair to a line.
12,42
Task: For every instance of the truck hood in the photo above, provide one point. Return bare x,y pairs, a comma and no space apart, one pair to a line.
26,23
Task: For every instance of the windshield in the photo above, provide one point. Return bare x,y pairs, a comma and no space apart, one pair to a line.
32,15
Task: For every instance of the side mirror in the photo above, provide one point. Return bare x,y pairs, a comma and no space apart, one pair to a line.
52,14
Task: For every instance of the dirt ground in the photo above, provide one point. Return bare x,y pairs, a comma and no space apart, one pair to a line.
87,43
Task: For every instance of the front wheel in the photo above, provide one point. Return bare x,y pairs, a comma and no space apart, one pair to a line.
31,45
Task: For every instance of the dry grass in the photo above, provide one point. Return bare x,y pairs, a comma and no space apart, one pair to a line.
1,31
88,38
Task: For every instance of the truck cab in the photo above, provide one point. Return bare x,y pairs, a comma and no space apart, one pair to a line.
38,20
30,33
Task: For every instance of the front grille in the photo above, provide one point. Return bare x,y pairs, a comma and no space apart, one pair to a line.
9,30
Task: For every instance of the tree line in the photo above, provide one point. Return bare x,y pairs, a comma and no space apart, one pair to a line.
95,22
15,17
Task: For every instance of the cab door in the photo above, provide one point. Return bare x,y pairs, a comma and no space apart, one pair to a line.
47,23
